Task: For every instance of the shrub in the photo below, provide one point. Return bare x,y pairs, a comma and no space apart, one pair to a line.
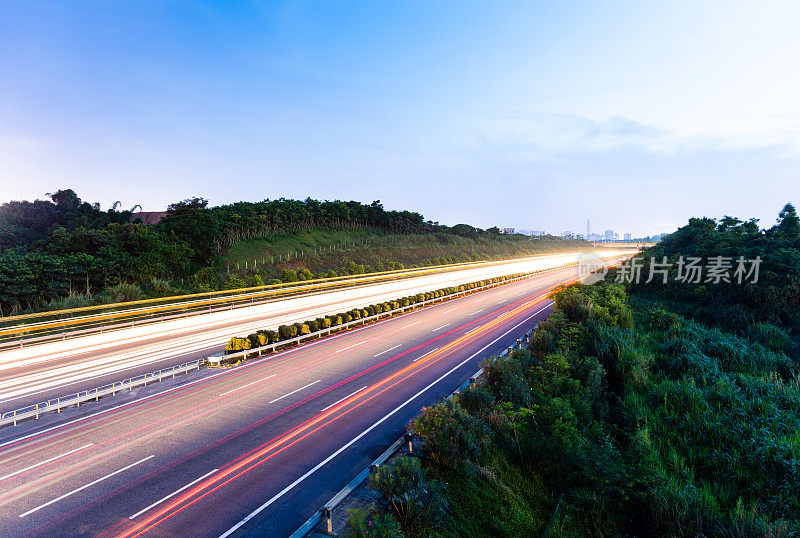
368,524
272,336
287,331
235,283
450,433
124,292
257,340
161,288
415,501
237,344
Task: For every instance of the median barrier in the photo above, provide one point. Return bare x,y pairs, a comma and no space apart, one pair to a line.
57,404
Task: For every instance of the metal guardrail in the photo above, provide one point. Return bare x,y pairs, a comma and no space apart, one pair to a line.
57,404
325,514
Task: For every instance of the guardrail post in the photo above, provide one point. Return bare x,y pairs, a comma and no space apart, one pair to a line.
327,513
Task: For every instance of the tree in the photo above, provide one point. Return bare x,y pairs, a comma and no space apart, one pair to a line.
192,222
789,222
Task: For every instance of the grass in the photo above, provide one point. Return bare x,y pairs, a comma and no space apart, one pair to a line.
323,250
307,241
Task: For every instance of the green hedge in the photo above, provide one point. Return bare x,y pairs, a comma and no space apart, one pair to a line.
286,332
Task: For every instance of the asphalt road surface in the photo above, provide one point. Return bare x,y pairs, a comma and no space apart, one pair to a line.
252,450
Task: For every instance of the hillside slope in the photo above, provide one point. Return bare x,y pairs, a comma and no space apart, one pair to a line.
68,253
325,251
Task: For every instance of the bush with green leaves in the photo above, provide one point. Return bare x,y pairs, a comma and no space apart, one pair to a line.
257,339
286,332
372,524
414,500
237,344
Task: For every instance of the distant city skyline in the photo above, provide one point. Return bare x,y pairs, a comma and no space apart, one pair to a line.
638,115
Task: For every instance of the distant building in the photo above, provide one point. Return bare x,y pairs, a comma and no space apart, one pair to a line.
567,233
148,217
509,231
627,237
608,235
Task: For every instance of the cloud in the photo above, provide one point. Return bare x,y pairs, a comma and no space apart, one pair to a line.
541,136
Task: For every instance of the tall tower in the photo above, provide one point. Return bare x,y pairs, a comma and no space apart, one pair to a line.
588,229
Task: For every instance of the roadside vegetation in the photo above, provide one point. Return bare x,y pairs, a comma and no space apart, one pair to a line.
67,253
636,410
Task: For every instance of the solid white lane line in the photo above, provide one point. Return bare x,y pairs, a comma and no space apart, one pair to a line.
343,399
190,484
297,390
355,439
442,327
54,458
348,347
412,324
388,350
244,386
425,355
74,491
481,310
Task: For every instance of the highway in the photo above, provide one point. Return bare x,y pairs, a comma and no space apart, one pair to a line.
252,450
33,374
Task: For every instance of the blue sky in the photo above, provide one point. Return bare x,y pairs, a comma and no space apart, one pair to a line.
636,115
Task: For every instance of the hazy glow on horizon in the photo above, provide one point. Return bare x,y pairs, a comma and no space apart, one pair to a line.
519,114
